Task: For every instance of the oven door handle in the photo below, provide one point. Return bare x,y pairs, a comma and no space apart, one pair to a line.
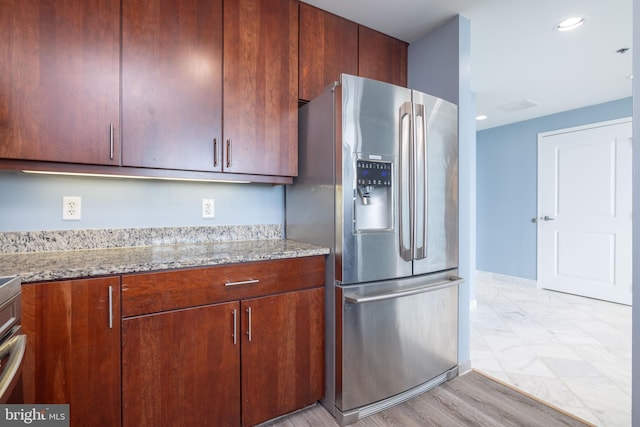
15,348
354,299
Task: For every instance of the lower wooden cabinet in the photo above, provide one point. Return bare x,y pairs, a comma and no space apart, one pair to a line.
180,368
73,348
228,345
187,367
282,354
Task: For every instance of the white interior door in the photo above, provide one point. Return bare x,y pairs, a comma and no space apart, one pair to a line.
584,211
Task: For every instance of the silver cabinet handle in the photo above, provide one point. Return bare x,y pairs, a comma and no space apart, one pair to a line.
215,152
229,153
234,326
111,141
110,307
244,282
548,218
354,299
249,328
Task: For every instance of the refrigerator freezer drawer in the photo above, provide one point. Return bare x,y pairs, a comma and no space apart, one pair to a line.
395,341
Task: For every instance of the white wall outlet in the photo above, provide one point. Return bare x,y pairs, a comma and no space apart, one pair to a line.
208,208
71,208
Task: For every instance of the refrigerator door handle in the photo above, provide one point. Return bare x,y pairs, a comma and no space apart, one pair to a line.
420,182
354,299
405,186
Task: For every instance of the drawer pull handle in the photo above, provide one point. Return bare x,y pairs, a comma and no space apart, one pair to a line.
244,282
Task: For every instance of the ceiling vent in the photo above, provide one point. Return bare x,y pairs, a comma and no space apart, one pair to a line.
518,105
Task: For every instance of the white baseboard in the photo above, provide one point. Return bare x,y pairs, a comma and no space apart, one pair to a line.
504,278
464,367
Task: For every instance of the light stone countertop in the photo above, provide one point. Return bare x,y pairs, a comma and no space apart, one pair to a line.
70,264
69,254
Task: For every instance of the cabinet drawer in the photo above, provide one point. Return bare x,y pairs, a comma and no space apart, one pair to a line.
169,290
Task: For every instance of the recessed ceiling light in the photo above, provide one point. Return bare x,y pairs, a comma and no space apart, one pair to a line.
569,24
481,117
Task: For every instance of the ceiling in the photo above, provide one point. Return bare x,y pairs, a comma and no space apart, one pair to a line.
516,55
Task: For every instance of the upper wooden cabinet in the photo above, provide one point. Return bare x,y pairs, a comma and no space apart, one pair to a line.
59,80
328,47
381,57
331,45
172,84
207,85
261,87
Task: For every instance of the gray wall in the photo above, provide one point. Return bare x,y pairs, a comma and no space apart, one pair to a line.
635,376
507,170
439,65
34,202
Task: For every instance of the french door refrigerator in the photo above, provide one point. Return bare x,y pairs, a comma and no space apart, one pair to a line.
378,185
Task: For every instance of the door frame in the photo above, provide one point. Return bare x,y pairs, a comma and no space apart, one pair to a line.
541,136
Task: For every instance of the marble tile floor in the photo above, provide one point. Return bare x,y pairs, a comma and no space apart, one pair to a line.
569,351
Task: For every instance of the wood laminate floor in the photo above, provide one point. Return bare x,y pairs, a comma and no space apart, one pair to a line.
472,399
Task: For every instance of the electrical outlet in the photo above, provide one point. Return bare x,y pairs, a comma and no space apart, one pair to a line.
71,208
208,208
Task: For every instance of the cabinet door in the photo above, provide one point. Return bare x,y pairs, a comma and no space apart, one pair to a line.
172,83
73,347
381,57
59,80
261,87
182,368
328,47
282,354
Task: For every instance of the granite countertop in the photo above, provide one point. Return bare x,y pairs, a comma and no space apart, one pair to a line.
70,264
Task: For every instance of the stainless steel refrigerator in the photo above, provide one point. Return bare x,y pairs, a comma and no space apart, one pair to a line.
378,184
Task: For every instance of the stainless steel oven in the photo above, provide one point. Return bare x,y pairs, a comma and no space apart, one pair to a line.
12,342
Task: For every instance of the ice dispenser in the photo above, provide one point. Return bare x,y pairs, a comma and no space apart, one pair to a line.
374,202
